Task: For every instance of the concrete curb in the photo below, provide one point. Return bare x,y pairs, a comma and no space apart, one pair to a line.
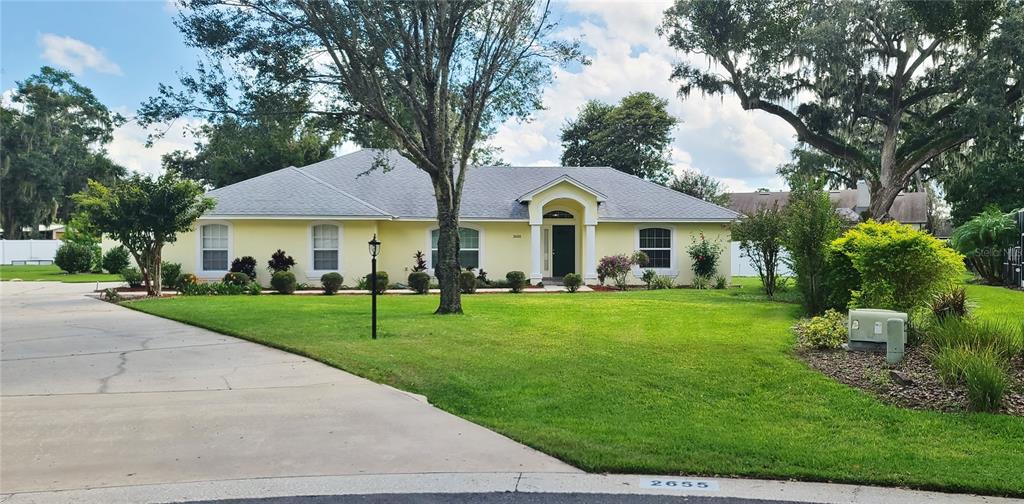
825,493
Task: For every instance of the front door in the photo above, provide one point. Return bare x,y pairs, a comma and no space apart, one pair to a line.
563,250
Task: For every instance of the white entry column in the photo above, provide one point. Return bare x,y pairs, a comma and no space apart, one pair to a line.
537,274
590,253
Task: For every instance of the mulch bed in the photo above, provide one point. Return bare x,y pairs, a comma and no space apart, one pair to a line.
911,383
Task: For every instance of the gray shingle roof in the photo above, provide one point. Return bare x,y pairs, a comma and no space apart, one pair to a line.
909,208
343,186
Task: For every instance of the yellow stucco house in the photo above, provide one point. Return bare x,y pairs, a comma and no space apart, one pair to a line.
544,221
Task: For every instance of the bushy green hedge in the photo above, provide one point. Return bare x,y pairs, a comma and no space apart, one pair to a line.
516,280
236,278
116,259
283,282
331,282
899,267
382,282
74,258
419,282
467,282
572,282
170,274
133,277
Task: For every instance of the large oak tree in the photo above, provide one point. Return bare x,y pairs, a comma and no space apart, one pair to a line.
54,136
430,76
882,87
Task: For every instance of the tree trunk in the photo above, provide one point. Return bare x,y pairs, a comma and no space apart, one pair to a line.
157,280
447,268
883,194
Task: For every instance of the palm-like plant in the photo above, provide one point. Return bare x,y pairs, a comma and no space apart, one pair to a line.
983,240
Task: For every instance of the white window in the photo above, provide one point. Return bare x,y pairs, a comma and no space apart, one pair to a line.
326,251
469,247
214,243
657,244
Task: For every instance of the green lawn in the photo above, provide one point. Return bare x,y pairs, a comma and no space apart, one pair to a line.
680,381
51,273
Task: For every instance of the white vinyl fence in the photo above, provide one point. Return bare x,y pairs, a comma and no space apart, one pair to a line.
28,251
741,266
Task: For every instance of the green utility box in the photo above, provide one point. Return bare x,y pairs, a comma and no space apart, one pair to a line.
868,330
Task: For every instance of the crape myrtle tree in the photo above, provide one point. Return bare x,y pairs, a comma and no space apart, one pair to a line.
427,77
883,87
144,214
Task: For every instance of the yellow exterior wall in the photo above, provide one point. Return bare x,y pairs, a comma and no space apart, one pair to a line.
506,245
621,238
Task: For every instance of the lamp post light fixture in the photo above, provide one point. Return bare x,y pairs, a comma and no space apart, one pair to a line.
374,250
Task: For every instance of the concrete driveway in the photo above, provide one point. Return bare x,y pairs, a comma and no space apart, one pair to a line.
97,395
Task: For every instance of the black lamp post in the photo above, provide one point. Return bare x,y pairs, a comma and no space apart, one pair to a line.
374,250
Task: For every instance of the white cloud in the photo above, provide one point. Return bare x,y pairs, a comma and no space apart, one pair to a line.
128,147
716,136
74,55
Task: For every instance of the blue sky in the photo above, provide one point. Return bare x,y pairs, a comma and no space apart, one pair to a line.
123,50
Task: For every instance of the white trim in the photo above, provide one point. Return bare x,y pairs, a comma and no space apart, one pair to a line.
462,219
535,265
590,253
315,274
673,269
676,221
430,247
293,217
564,178
213,274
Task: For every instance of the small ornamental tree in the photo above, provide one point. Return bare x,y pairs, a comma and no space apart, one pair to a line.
811,224
760,236
617,267
144,214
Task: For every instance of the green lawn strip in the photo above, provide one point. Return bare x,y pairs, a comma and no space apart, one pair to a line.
51,273
996,303
680,381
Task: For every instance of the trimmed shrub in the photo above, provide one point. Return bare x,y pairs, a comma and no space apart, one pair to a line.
116,259
283,282
467,282
704,256
331,282
133,277
169,274
826,331
952,302
246,265
382,282
74,258
572,282
237,278
419,281
900,267
280,261
516,280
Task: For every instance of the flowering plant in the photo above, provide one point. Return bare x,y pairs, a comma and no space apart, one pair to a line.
617,267
704,255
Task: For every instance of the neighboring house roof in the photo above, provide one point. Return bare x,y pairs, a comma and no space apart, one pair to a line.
348,186
909,208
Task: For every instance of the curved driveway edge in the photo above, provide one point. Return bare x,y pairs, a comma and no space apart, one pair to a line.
96,395
551,485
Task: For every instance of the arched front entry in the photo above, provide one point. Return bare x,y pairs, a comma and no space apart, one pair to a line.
563,217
